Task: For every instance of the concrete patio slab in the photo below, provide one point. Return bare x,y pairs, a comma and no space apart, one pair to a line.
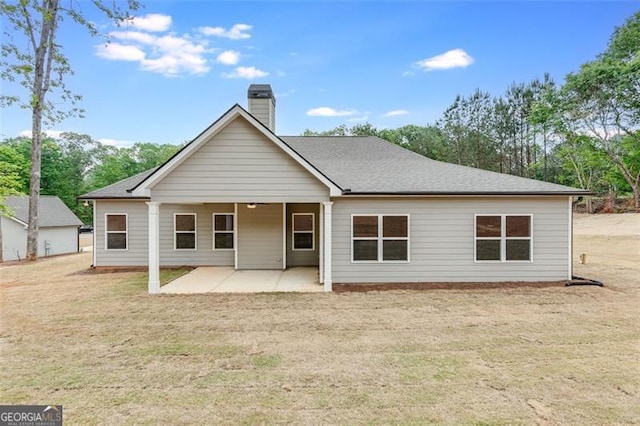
227,280
200,280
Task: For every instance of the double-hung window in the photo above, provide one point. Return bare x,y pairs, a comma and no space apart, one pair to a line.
117,231
380,238
184,231
223,231
503,238
302,227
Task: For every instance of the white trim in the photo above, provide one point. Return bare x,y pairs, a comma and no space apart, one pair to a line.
327,245
214,232
313,231
284,236
194,232
381,238
18,221
107,232
570,246
221,123
95,229
154,247
321,244
479,195
235,235
503,238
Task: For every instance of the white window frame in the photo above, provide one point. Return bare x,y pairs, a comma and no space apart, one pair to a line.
380,238
194,232
107,232
294,232
213,226
502,238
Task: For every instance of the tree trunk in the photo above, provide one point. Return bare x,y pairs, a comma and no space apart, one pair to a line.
589,205
44,53
34,186
1,245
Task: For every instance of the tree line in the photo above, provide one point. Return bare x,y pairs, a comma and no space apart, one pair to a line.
75,164
584,133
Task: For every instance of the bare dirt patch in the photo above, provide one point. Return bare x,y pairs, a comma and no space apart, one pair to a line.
110,353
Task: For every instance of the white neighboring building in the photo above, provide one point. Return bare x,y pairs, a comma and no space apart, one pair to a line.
58,228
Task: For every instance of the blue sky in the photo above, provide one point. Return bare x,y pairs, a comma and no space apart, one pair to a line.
181,64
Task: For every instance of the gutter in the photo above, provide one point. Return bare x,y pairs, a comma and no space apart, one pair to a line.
465,193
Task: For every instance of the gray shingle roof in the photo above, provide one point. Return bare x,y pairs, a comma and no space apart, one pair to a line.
51,211
118,189
369,164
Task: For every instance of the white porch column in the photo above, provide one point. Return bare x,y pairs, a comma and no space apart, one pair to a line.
154,247
327,244
321,244
284,236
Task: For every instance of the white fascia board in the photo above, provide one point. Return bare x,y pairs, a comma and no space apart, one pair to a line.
143,190
15,219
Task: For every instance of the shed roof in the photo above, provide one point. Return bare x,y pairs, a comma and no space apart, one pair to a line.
52,212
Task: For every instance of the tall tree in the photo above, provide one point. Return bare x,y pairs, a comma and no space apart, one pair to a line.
602,100
33,56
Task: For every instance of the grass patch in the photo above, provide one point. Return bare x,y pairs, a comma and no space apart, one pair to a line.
100,346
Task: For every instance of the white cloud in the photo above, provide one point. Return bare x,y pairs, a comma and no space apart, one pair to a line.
237,32
246,72
396,112
133,36
456,58
115,142
229,57
169,54
153,22
356,119
408,73
149,42
120,52
329,112
55,134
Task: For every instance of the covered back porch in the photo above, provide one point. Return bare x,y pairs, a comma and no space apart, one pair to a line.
241,237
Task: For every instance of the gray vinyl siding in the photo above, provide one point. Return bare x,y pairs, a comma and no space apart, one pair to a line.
14,239
442,240
138,233
240,164
138,236
61,239
305,257
204,255
264,111
260,236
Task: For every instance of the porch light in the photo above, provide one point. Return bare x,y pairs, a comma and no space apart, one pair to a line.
251,205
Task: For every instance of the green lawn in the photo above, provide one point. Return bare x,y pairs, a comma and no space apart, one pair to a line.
109,353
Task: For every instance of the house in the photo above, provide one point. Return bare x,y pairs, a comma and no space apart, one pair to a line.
58,227
361,209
